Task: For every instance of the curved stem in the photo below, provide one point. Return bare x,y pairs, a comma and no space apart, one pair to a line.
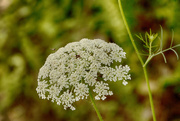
95,107
148,59
142,63
129,32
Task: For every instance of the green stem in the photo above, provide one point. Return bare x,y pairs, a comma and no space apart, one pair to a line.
150,46
95,107
142,63
148,59
129,32
149,92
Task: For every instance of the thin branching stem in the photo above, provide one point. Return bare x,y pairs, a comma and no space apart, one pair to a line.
172,39
175,53
142,63
129,32
178,45
171,48
150,46
148,59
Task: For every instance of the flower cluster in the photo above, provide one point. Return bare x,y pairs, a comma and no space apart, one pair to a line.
70,72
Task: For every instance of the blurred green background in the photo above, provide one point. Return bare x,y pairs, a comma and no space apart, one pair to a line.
31,29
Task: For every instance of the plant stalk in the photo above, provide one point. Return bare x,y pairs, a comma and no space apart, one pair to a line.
149,92
141,60
95,107
129,32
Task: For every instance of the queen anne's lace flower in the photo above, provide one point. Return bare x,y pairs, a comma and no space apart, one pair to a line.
70,72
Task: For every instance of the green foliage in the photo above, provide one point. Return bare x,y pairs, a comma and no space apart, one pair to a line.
154,50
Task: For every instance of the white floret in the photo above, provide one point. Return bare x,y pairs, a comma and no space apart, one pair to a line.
102,90
42,88
67,99
81,91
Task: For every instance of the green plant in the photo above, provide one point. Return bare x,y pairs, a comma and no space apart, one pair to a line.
153,50
79,69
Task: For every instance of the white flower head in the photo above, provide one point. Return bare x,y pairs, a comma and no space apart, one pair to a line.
72,71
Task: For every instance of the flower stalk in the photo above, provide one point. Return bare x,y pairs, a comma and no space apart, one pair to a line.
129,32
149,92
95,107
141,60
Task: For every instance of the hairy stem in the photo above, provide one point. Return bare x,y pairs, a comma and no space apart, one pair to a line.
95,107
142,63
